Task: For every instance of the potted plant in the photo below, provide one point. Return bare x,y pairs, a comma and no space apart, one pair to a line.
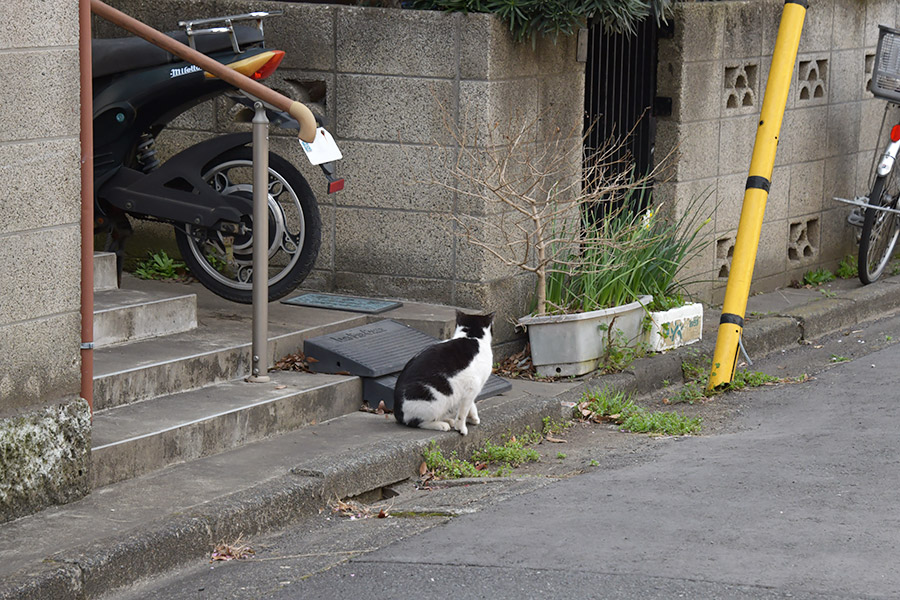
590,301
579,224
671,321
622,281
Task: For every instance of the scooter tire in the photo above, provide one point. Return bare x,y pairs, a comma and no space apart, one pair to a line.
282,282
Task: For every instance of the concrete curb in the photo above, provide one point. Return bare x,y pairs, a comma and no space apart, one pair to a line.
761,336
164,544
160,545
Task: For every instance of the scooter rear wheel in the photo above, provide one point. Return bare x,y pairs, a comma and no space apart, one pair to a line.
225,264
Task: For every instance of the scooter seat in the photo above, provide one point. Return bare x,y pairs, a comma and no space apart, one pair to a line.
116,55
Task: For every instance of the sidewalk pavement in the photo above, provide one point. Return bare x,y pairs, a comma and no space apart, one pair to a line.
140,527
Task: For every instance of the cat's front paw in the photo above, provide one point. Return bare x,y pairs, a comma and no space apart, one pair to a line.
463,429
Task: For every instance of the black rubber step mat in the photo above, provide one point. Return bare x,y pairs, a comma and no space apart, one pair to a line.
371,350
381,389
339,302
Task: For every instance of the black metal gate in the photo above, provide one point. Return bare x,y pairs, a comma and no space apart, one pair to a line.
620,91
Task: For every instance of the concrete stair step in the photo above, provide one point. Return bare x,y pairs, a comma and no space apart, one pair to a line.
129,315
136,439
218,349
105,271
180,396
210,354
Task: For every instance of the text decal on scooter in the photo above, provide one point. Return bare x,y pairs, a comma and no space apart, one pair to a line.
183,71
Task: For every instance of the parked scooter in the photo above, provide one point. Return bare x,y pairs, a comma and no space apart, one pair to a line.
204,191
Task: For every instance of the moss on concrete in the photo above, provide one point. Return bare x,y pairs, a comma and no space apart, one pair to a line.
44,458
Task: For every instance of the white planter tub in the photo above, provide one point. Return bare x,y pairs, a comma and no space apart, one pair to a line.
566,345
675,327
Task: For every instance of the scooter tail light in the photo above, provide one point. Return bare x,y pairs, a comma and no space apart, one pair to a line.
270,66
895,133
256,67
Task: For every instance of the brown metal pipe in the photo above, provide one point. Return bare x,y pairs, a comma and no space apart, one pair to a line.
87,205
296,109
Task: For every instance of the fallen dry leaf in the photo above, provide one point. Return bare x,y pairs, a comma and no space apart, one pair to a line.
354,510
519,366
423,468
294,362
556,440
381,410
280,387
234,551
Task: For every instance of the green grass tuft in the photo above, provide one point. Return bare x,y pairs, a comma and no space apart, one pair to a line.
159,265
818,277
848,268
618,407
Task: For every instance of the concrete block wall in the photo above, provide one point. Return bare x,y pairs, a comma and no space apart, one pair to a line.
715,69
389,81
44,426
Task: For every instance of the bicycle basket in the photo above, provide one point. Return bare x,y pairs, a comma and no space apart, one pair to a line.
886,72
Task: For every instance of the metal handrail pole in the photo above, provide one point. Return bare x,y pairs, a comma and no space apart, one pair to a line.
260,353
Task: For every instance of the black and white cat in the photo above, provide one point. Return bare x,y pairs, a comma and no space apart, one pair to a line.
438,386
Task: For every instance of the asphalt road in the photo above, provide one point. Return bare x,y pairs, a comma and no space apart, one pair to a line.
798,499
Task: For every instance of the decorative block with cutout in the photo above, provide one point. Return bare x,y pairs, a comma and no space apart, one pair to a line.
724,254
741,83
812,80
803,240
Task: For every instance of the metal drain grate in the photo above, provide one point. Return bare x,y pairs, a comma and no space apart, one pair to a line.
338,302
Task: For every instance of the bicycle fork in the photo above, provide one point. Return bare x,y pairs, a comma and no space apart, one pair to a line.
885,166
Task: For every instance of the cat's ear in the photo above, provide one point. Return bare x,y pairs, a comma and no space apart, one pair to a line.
489,317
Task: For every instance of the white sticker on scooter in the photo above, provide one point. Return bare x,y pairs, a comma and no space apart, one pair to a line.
323,149
173,73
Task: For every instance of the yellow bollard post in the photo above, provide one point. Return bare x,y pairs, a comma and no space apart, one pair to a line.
731,324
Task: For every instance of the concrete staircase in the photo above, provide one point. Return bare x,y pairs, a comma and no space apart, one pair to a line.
170,362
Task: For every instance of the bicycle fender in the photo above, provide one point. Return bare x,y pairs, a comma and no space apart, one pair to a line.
887,160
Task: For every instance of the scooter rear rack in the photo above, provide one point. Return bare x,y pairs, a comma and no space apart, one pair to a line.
225,24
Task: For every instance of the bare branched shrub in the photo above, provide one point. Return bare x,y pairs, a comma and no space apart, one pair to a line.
538,188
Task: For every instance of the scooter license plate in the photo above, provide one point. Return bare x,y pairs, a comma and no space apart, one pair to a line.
324,149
